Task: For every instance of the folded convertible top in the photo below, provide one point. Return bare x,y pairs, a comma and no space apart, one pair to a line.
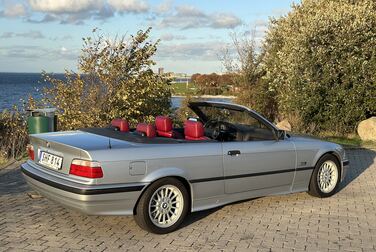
135,137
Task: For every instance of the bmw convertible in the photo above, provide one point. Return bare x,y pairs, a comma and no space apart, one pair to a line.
160,173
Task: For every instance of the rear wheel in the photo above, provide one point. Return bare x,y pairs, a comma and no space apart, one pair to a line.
163,206
325,178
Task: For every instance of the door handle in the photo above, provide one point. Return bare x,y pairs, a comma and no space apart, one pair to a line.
233,152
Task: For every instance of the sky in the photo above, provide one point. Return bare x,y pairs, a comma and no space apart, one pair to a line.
38,35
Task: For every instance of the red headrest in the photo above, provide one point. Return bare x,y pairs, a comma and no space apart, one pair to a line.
147,129
121,124
163,123
194,130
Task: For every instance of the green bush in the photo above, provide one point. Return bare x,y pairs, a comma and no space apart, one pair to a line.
13,134
213,84
320,59
115,80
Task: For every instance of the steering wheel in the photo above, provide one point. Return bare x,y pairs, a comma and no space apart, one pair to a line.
220,129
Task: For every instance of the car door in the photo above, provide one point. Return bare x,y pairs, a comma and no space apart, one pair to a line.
256,160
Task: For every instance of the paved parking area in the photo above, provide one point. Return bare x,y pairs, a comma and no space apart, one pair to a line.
296,222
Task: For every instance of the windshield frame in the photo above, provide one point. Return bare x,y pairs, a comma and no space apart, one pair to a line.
195,107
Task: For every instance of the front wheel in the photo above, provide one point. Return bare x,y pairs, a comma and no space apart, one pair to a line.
325,177
163,206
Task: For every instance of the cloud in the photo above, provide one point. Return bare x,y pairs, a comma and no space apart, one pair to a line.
46,19
38,52
130,6
73,11
14,10
189,11
62,38
68,11
208,51
164,7
170,37
64,6
26,52
78,11
7,35
30,35
188,16
225,20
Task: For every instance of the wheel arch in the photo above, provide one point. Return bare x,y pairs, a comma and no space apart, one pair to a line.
182,179
320,155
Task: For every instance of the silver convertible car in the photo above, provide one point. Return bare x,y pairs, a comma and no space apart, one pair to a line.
159,173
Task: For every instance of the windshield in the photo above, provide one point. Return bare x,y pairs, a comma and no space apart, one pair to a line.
225,114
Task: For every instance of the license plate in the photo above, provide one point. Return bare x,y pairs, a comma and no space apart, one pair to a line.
50,160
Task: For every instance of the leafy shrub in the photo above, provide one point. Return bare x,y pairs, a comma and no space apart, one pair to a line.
115,80
320,59
183,112
212,84
13,134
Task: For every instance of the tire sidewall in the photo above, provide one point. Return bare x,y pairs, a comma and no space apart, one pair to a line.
314,181
146,197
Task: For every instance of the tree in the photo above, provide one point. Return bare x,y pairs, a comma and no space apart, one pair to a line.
321,61
246,69
212,84
115,80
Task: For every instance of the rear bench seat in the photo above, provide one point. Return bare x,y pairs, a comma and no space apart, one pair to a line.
163,125
146,129
120,125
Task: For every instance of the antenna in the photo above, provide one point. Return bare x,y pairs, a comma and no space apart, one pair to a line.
109,143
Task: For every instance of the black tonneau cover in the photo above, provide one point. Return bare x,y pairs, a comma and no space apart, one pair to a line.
136,137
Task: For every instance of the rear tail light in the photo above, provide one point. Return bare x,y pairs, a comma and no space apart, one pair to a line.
85,168
30,151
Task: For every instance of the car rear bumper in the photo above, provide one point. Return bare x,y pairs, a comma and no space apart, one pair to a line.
116,199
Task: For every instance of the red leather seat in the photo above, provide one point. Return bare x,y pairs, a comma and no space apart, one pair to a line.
120,124
146,129
194,130
164,126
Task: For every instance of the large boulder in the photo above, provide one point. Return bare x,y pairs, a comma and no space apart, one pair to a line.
367,129
284,125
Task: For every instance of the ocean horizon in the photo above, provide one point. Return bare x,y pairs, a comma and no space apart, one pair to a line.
15,89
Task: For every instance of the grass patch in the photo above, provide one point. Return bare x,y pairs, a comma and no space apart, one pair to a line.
183,88
3,161
350,141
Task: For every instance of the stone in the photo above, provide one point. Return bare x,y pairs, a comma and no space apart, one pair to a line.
34,195
367,129
284,125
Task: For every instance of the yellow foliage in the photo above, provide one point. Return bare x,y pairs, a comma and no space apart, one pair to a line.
115,81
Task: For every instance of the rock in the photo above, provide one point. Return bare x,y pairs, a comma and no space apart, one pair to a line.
367,129
284,125
34,195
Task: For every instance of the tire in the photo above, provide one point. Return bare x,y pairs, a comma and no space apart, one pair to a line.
325,177
163,206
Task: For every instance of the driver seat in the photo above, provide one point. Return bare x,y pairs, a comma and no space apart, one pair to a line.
194,130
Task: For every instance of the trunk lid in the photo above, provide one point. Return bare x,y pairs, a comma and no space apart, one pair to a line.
69,145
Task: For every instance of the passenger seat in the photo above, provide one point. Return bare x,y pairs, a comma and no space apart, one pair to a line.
194,130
